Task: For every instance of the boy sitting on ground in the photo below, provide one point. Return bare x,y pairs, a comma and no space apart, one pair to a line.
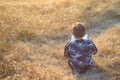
80,50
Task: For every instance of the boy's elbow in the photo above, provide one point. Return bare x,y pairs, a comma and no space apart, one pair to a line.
95,52
66,55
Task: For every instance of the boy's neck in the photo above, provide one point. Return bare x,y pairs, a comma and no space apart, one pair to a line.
78,38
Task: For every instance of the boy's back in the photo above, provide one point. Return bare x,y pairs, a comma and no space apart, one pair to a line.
81,49
80,53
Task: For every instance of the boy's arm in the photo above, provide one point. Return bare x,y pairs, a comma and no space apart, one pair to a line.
93,48
66,53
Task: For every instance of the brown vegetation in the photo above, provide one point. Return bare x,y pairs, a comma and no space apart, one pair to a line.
33,34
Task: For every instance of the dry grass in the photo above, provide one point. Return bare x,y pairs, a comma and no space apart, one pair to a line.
33,34
108,44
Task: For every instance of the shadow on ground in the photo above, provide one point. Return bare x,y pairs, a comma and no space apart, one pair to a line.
95,73
102,25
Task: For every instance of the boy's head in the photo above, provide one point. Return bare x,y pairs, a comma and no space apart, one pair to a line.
79,30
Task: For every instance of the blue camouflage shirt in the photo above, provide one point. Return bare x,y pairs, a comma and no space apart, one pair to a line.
80,52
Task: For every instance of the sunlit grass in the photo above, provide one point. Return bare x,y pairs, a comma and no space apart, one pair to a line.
108,44
33,34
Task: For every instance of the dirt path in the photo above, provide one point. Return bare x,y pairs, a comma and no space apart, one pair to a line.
102,26
97,73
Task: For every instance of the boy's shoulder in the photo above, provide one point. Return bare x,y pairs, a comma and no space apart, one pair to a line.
69,43
84,41
88,40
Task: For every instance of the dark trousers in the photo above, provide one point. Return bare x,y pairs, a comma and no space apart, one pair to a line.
77,66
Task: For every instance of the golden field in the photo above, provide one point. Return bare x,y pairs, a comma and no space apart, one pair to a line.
33,34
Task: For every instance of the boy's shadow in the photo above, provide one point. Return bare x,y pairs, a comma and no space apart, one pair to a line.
94,73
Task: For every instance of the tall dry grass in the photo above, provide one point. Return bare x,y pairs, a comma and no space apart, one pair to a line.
33,34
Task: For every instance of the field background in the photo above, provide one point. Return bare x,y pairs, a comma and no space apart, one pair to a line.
33,34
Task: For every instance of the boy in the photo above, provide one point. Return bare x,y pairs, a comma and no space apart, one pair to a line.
80,50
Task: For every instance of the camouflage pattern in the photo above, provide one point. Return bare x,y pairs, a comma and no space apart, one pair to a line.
80,53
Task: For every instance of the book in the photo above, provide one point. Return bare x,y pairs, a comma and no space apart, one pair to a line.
72,38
